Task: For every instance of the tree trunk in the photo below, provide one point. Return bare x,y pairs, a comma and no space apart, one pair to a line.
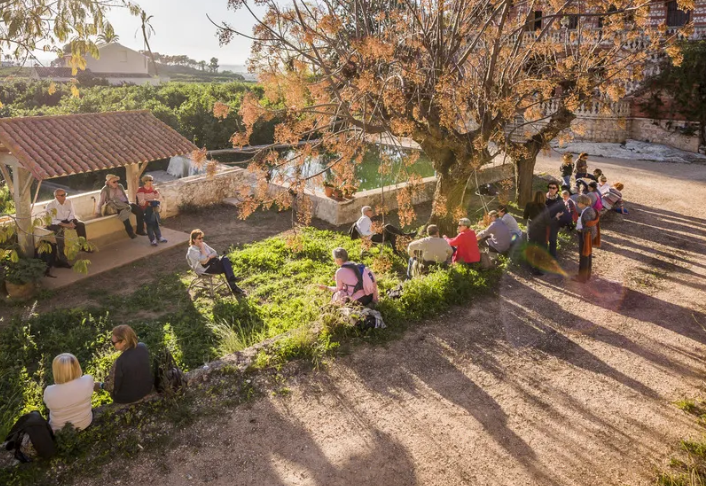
452,197
524,177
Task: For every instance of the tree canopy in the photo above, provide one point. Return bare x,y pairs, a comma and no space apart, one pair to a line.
451,75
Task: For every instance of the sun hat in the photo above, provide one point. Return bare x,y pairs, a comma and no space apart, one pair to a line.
110,177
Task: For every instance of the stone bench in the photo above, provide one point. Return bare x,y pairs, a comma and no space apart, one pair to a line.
100,231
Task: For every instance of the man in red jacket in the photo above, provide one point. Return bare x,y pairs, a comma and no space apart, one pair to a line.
465,243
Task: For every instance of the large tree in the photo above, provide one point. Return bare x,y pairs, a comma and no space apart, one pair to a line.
30,25
450,75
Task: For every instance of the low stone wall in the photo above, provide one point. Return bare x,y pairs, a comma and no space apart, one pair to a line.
348,211
200,190
658,131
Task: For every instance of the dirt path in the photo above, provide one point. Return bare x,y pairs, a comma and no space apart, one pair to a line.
550,383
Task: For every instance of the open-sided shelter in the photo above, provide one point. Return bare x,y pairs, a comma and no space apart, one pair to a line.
45,147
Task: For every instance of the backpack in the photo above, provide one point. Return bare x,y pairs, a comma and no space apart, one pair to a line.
168,378
365,281
41,436
353,231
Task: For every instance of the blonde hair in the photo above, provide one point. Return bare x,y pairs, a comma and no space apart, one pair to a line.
194,234
146,178
65,368
619,186
125,333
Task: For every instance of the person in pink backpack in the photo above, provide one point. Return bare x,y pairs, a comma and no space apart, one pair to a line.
354,282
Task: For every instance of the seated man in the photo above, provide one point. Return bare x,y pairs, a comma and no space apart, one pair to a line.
204,259
466,243
510,222
428,251
496,236
63,217
114,198
390,233
352,285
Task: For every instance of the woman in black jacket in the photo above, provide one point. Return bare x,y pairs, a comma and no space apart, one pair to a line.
130,378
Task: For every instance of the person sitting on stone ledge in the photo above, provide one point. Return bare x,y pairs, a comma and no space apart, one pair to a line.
495,237
204,259
63,217
364,228
354,282
113,199
428,251
465,244
613,199
603,186
130,378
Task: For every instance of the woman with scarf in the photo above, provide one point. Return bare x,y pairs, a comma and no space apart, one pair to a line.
589,233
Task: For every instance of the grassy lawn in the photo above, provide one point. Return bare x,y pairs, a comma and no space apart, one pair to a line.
280,274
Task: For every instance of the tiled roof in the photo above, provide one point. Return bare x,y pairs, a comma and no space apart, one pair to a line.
55,146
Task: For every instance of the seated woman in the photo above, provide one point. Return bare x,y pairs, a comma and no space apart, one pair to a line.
148,198
595,196
613,199
130,379
603,186
204,259
69,398
349,287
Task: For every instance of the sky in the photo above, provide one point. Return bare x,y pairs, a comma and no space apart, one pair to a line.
181,27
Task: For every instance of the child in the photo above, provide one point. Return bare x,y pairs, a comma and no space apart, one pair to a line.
567,168
589,233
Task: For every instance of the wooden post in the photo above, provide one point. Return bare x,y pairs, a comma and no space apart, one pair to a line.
132,174
23,210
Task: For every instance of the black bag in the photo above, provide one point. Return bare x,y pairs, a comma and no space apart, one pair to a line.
487,190
48,257
168,378
40,435
353,231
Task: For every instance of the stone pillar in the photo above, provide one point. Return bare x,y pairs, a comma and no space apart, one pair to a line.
22,181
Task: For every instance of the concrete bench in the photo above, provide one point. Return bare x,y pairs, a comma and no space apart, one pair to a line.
100,231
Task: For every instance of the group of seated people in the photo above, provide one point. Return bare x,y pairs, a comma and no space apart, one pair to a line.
130,379
113,200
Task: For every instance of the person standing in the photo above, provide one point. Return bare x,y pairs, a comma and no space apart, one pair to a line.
556,207
589,234
537,217
582,166
63,217
149,199
567,168
114,198
465,243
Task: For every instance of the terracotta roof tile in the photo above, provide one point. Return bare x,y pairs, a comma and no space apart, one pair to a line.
55,146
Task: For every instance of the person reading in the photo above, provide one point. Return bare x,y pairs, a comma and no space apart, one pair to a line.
204,259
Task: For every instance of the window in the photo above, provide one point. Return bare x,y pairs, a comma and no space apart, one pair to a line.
123,56
573,22
676,17
534,21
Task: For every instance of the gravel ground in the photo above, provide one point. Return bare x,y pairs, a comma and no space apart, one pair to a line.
549,383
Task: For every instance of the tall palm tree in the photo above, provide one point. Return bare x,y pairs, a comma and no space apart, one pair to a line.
147,31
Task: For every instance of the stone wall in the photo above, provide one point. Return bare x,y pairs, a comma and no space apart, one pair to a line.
608,129
348,211
199,190
658,131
